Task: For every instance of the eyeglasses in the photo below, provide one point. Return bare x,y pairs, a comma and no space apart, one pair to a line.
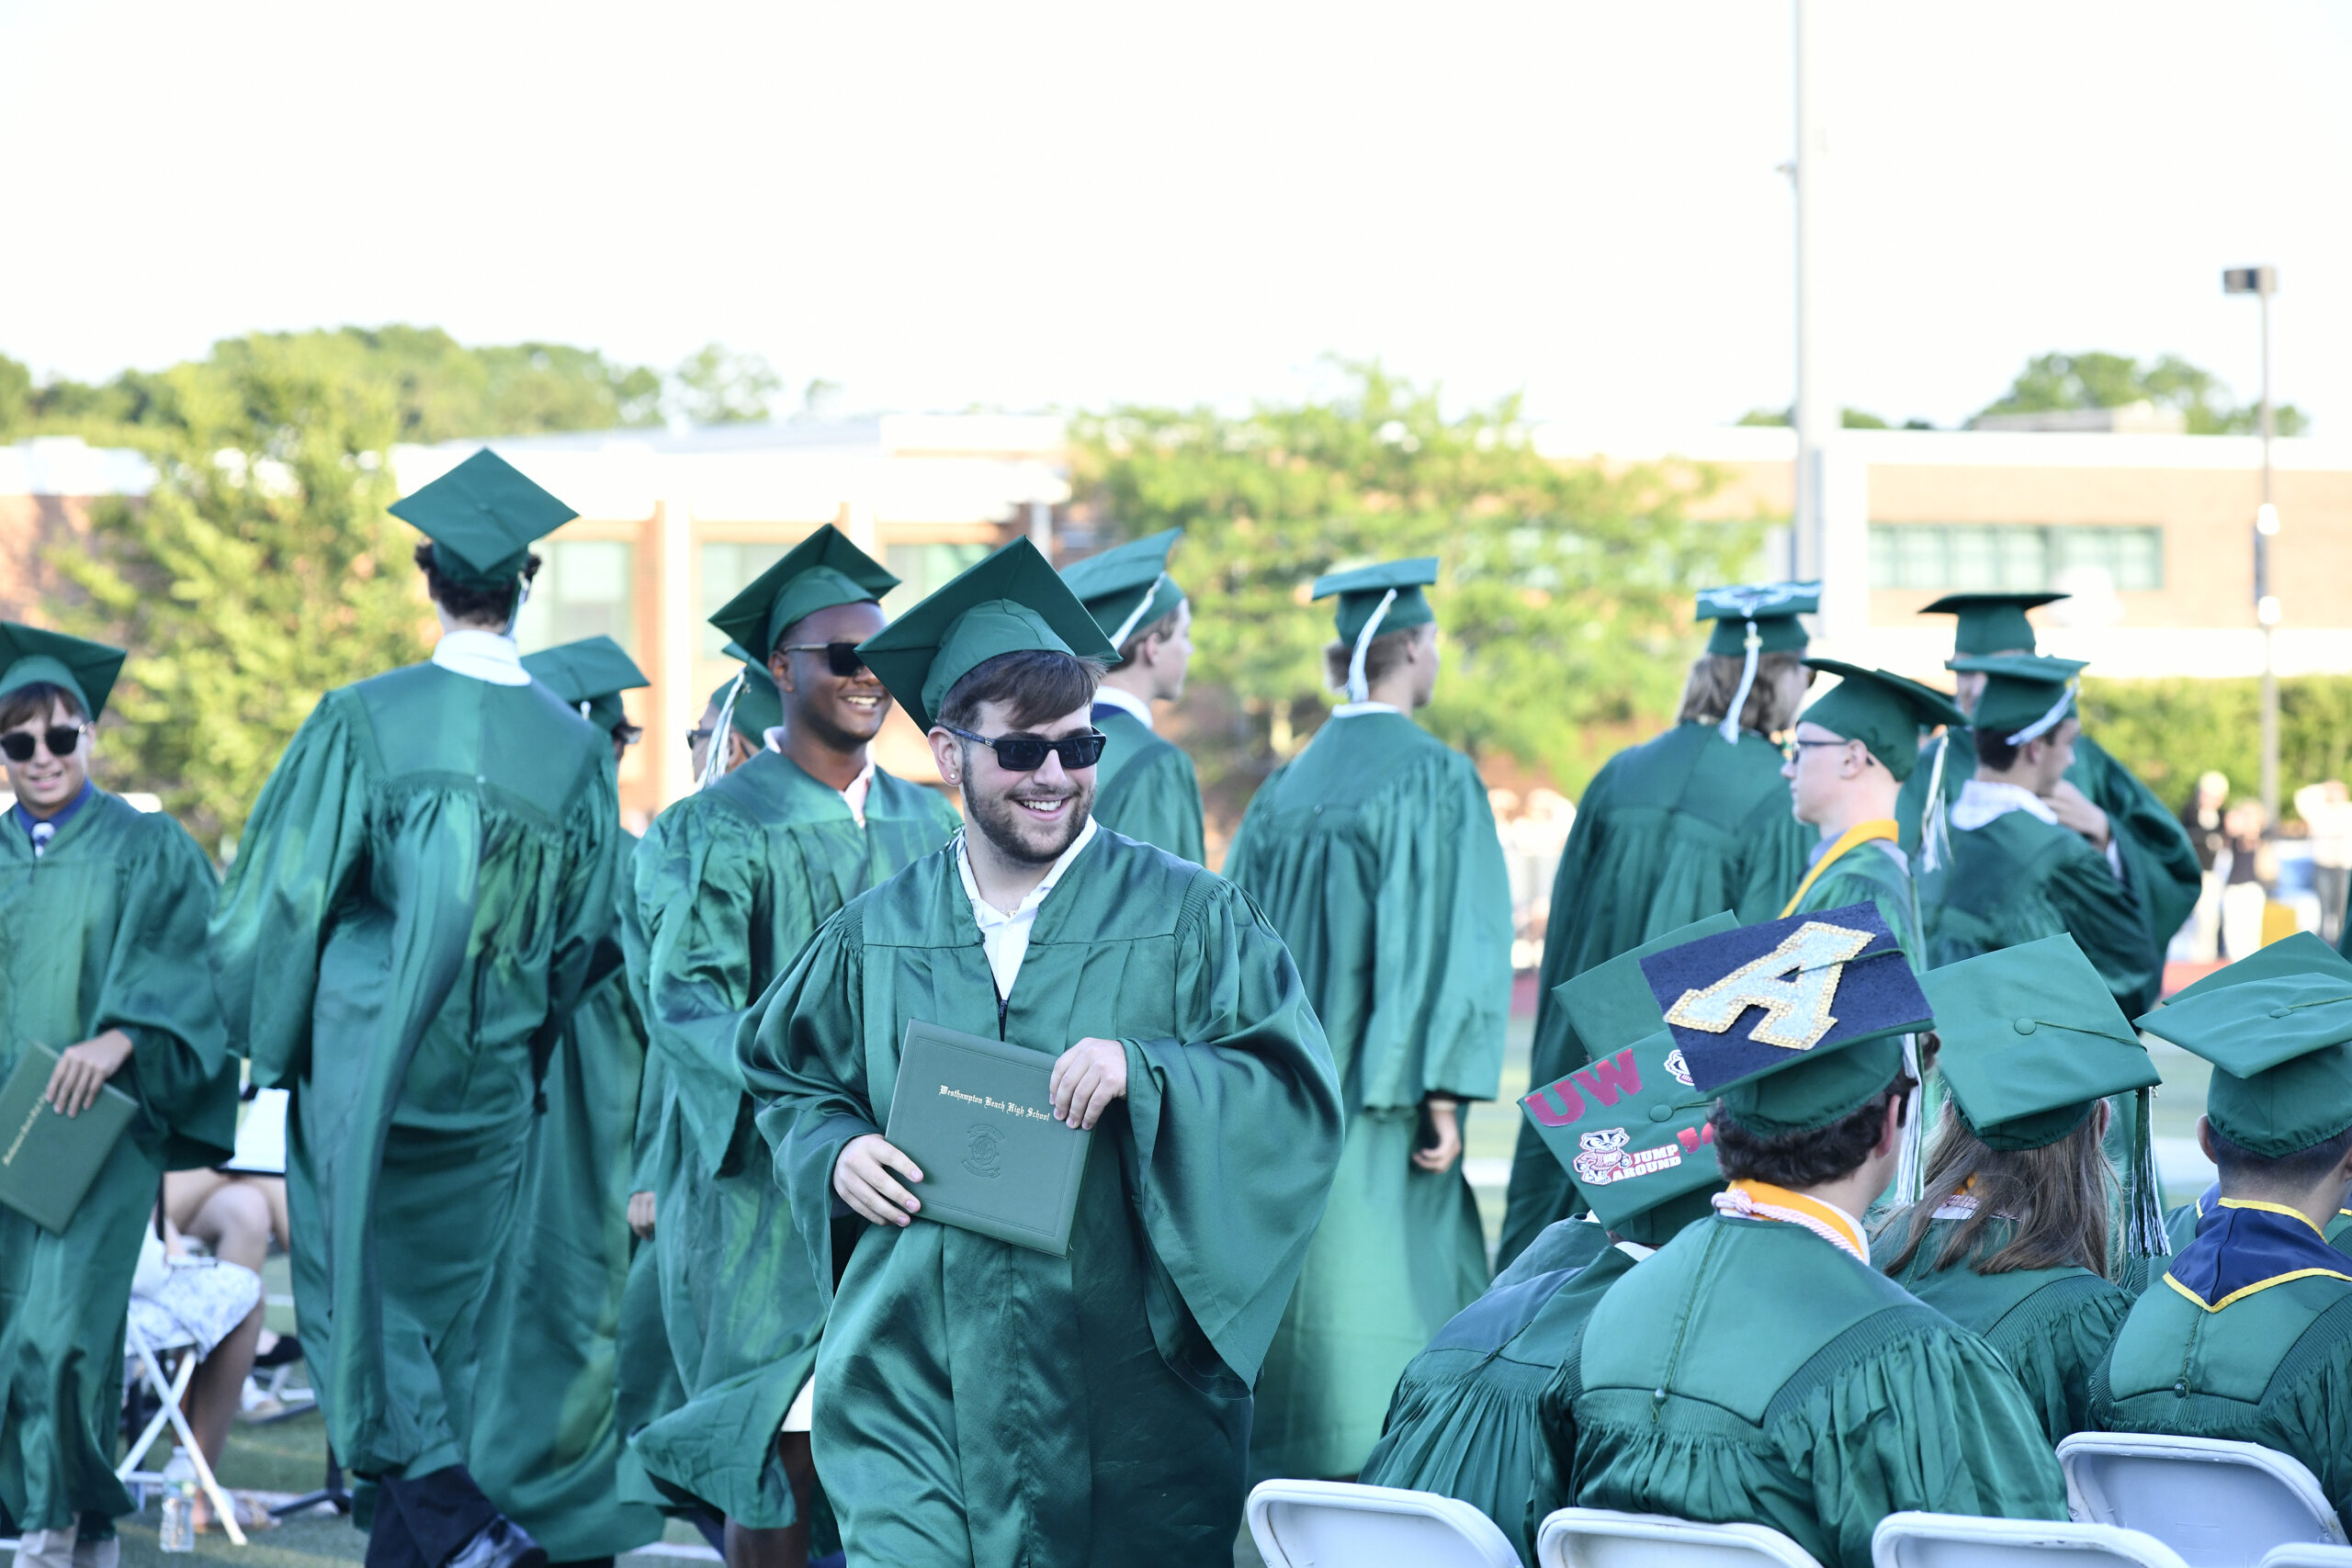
842,657
1026,753
696,736
63,739
1790,749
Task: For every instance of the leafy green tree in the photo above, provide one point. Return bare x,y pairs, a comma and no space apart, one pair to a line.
262,570
1847,419
717,386
1564,594
2053,382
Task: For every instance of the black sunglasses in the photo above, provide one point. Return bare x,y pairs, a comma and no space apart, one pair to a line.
1026,753
841,658
17,745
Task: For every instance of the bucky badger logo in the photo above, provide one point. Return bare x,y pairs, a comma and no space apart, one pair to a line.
1606,1159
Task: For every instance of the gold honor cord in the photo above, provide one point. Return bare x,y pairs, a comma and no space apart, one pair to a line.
1860,833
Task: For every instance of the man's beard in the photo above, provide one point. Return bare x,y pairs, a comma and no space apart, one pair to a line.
1002,823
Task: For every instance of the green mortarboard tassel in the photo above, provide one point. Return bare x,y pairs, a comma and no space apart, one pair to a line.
28,655
1373,599
1753,620
2026,695
591,674
1013,602
482,516
1991,623
1882,710
1127,586
820,571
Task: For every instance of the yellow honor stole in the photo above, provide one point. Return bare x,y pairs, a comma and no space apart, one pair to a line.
1858,834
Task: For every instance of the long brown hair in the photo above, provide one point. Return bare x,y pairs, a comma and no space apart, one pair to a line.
2057,1198
1713,681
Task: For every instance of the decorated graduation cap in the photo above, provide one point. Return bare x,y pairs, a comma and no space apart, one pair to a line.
1011,603
1751,620
1127,587
2033,1039
1375,599
29,656
1991,623
2276,1025
591,674
1880,709
2026,695
1630,1134
820,571
482,518
1792,1023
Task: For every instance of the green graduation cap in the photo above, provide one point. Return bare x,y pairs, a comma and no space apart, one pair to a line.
2276,1025
1377,599
2026,695
1011,603
482,518
1127,587
29,654
820,571
1631,1135
1880,709
590,674
1991,623
1767,610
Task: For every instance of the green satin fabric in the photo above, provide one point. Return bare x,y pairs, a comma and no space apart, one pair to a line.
1466,1420
103,931
1670,831
1868,874
1802,1391
2159,863
2052,1327
2274,1368
446,847
2018,879
1145,787
731,888
981,1403
1374,854
545,1442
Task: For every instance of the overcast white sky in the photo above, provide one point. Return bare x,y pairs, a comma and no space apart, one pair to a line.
1035,205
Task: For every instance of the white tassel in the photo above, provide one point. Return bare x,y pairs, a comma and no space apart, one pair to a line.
1358,690
713,758
1910,1163
1935,828
1730,726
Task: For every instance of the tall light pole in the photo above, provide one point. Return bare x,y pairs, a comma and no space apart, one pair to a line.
1815,413
2262,282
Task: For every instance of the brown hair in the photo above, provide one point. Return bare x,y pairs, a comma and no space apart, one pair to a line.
468,603
1164,626
33,702
2056,1199
2242,1167
1996,753
1381,657
1037,685
1798,1160
1714,677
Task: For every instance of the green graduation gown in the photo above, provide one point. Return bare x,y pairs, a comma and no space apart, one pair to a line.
1877,872
979,1403
545,1443
105,930
2052,1326
1464,1421
2159,863
1374,852
412,913
1670,831
1752,1371
738,880
1145,786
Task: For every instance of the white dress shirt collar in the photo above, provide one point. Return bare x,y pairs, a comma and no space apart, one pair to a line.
481,656
1350,710
1982,801
1005,937
1126,701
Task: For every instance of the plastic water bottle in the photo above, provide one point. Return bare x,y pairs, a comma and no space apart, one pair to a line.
178,1533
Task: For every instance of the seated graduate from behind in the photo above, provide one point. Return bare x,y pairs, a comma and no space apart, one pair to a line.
544,1446
1848,757
1144,785
1465,1419
103,930
2248,1336
1758,1368
979,1402
2013,1236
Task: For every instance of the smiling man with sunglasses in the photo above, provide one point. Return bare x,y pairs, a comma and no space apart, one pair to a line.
979,1402
731,884
102,926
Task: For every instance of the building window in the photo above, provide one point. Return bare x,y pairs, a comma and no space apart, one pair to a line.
2012,558
921,569
584,589
727,571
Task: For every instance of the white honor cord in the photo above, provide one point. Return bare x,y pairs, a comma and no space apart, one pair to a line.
714,757
1730,726
2049,721
1127,627
1357,691
1933,828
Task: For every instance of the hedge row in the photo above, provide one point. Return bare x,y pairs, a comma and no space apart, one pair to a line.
2169,731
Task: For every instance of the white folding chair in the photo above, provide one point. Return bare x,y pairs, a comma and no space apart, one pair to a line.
1964,1541
171,1390
2308,1557
2219,1504
1601,1537
1338,1524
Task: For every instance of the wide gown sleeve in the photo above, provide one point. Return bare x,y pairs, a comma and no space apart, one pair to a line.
2099,912
2159,861
704,891
586,910
2054,1361
302,850
158,990
2314,1421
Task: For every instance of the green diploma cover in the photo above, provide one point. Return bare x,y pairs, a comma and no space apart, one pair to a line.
48,1159
976,1117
